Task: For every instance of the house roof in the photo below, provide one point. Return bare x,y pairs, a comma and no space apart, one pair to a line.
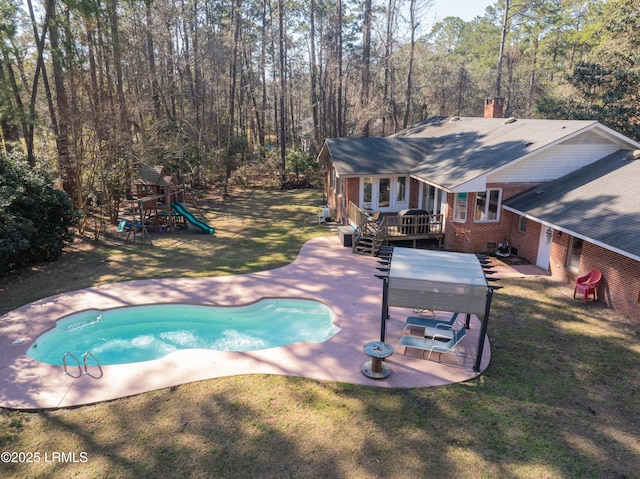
599,203
376,156
467,148
449,152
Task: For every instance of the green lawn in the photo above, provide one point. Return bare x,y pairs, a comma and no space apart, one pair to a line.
560,398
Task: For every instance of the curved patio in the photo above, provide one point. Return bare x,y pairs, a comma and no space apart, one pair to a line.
323,271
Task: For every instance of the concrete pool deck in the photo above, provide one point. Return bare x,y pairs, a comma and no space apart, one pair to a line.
323,271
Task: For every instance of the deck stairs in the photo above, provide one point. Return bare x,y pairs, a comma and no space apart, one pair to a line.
369,237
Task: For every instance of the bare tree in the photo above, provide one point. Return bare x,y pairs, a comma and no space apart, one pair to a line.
417,8
503,39
281,50
366,66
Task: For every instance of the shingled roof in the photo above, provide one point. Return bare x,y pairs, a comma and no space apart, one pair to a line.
376,156
598,203
449,152
467,148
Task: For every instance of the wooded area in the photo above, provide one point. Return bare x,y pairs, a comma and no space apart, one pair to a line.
90,89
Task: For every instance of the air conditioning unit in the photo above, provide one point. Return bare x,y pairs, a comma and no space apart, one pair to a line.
324,214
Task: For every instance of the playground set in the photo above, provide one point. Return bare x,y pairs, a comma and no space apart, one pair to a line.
158,205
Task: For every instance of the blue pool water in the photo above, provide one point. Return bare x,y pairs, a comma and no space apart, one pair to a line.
143,333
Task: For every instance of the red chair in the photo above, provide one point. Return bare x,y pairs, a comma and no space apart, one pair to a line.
588,284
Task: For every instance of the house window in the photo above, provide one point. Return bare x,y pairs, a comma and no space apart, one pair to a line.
522,224
574,254
332,178
401,190
368,191
460,207
488,205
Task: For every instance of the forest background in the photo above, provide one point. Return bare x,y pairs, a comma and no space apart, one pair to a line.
91,89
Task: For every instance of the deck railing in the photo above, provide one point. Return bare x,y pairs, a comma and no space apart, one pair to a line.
396,225
357,217
413,225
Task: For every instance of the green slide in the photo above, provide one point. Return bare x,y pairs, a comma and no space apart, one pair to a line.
182,210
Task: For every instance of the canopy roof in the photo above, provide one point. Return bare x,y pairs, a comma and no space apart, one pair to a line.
437,280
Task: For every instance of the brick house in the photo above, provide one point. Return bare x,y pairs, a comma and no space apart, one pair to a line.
481,174
588,219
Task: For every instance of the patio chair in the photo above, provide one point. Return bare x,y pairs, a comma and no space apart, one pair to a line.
434,345
588,285
440,321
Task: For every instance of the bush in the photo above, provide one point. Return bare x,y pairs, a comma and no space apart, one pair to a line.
35,218
301,163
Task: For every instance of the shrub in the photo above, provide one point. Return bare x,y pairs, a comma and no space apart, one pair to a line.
35,217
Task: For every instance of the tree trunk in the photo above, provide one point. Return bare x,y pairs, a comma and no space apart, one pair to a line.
155,88
123,145
314,75
261,113
532,77
412,48
283,146
10,132
65,162
339,75
366,67
388,100
40,67
503,39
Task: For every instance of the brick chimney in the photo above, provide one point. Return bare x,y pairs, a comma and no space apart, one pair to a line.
493,107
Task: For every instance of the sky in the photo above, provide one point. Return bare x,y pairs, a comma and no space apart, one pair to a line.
465,9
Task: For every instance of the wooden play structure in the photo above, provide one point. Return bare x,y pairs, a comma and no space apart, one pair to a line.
157,205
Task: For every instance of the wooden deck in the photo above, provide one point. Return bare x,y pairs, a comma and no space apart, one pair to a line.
414,227
374,229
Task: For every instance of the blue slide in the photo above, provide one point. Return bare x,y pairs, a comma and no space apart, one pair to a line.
182,210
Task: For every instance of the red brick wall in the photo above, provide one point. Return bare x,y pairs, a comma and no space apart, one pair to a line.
620,286
339,203
526,243
333,199
472,237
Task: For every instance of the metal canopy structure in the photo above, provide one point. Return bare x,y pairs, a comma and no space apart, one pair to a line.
439,280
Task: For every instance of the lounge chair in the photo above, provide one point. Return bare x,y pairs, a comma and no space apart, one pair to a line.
440,322
434,345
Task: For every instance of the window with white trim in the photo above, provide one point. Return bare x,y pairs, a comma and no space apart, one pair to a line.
488,205
522,224
332,178
460,207
574,254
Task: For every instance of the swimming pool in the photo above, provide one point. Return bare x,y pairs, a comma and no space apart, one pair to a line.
144,333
